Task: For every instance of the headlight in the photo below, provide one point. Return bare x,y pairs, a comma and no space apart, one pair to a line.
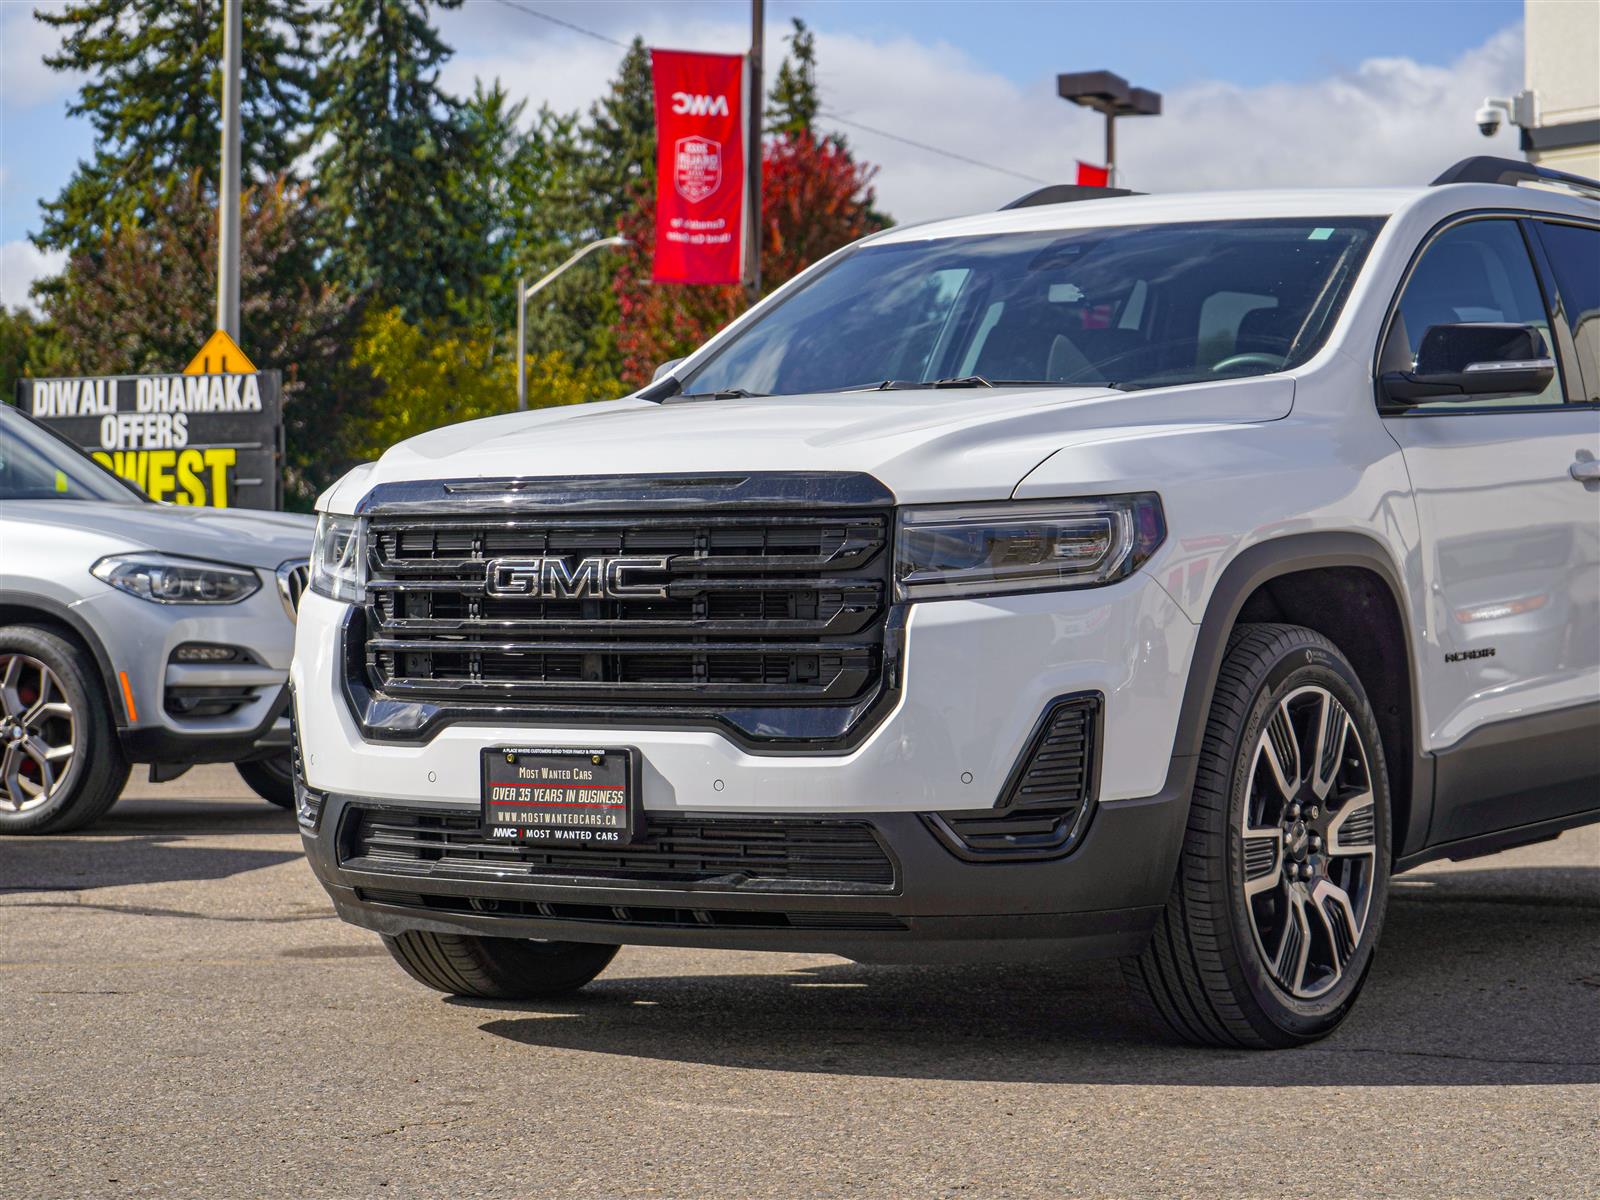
338,559
1030,546
171,579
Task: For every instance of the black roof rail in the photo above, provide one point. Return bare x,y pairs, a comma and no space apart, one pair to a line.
1486,168
1064,193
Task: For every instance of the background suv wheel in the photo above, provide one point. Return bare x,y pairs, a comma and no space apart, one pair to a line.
61,765
270,778
1279,898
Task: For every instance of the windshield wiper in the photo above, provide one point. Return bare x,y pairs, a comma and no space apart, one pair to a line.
907,385
726,394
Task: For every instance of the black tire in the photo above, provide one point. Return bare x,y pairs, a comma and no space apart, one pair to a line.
490,968
1207,974
270,778
95,773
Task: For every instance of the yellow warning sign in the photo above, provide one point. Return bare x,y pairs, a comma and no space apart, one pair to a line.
220,356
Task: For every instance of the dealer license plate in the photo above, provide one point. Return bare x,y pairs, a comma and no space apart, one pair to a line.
561,796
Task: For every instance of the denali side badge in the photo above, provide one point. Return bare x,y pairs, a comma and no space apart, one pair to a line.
587,579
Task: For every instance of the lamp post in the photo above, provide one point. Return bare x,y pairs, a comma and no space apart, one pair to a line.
1109,93
228,180
522,309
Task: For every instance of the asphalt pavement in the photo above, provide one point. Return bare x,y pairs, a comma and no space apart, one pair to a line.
182,1015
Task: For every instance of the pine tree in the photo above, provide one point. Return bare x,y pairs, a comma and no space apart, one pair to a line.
793,103
152,90
391,142
620,142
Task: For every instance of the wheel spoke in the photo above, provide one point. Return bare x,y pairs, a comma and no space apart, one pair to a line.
1263,860
1353,829
10,778
10,677
1332,906
1332,732
1282,751
36,749
1289,963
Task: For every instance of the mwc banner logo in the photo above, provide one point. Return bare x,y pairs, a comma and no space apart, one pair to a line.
700,166
699,106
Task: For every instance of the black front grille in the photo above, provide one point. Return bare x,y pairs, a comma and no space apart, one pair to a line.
808,855
1046,802
759,609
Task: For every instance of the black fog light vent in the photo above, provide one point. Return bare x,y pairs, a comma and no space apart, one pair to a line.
1046,803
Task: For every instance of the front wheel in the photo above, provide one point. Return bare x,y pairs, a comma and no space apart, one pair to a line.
1271,924
491,968
61,766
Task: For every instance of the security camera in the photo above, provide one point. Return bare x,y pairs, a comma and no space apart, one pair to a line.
1489,118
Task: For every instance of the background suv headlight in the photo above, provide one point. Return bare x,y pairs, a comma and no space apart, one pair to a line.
338,559
985,550
172,579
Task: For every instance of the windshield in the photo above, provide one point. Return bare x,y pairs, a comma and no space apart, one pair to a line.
36,465
1135,307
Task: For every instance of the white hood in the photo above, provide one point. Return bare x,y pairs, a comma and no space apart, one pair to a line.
927,445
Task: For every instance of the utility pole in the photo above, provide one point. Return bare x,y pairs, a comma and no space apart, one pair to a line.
752,166
1109,93
522,310
228,184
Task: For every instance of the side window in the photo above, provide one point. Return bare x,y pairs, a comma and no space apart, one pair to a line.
1574,254
1479,271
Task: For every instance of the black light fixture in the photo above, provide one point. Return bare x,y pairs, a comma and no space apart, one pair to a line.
1109,93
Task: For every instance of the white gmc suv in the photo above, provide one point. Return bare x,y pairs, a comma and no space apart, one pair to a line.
1137,576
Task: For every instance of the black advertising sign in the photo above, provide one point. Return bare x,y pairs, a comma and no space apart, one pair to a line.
211,440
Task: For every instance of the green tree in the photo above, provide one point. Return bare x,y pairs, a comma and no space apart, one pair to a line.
619,142
793,103
391,143
144,302
152,90
433,376
24,345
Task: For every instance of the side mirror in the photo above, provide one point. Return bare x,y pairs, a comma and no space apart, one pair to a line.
1476,359
665,368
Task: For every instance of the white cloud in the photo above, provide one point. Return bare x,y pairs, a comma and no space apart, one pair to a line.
1387,121
25,81
21,262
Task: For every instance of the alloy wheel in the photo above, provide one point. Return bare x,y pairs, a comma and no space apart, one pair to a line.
38,733
1309,840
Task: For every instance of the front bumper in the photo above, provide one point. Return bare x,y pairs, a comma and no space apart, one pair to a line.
147,685
1102,900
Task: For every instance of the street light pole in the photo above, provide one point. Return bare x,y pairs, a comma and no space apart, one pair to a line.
1109,93
228,184
523,293
752,166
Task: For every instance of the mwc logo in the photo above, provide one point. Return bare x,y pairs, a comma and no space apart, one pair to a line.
699,106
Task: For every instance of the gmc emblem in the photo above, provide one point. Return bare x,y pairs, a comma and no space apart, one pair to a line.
587,579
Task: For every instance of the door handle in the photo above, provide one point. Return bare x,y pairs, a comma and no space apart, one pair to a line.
1585,470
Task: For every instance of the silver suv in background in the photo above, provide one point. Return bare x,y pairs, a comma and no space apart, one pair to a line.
132,631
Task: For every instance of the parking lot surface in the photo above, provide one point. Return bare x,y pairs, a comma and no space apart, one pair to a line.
182,1015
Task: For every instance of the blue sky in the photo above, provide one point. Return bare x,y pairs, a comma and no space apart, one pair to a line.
1295,91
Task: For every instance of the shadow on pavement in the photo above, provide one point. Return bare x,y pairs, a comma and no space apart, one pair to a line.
146,841
1483,977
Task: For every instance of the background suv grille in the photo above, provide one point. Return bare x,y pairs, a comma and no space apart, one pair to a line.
761,608
837,855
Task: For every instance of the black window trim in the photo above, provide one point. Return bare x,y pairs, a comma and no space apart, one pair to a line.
1566,358
1588,394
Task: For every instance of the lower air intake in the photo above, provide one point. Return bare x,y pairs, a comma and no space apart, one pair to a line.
1046,803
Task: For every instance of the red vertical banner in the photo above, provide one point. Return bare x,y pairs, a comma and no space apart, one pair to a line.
700,185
